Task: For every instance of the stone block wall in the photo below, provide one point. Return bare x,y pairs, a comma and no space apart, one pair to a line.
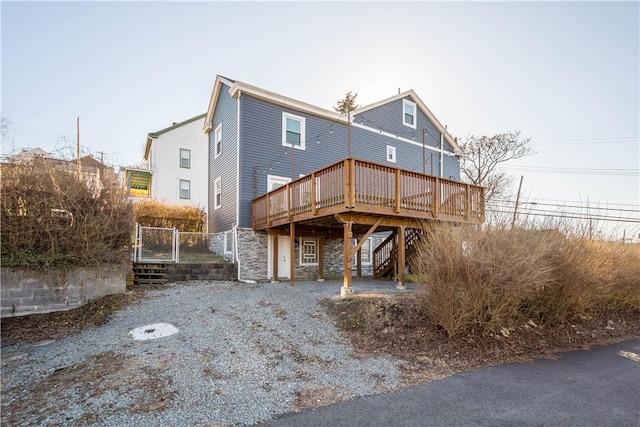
27,291
184,272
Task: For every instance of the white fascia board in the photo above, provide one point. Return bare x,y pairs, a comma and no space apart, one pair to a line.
147,148
208,121
284,101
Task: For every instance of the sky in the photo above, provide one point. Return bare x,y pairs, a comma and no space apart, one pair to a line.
565,74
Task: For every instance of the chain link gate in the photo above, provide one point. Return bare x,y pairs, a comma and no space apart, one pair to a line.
154,244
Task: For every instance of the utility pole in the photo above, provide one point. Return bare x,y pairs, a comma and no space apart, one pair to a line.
102,153
515,210
349,133
78,145
424,131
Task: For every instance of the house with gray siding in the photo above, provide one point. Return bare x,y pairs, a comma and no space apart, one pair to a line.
260,141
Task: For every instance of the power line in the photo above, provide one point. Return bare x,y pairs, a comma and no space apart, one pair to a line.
572,171
550,214
560,205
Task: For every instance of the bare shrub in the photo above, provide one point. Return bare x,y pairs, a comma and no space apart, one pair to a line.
50,218
493,279
154,213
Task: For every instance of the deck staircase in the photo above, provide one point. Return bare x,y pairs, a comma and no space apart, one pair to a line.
385,256
147,273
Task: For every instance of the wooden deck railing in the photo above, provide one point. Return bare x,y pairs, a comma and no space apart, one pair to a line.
353,185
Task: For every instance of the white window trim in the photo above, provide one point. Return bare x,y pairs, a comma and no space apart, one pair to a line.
275,178
313,240
217,184
391,150
188,189
302,121
188,157
406,102
217,132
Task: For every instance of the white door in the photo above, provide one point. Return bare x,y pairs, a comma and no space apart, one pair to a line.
283,257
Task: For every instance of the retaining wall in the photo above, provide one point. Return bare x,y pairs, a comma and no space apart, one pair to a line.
183,272
27,291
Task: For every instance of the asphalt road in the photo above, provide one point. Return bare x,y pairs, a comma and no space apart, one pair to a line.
598,387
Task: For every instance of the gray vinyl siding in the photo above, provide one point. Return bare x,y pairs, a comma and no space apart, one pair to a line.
263,154
224,218
389,117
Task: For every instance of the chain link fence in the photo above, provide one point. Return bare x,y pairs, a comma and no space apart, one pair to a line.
155,244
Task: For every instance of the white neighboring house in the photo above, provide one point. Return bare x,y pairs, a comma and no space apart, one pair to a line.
178,159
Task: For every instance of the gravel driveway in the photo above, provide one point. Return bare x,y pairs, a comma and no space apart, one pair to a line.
243,353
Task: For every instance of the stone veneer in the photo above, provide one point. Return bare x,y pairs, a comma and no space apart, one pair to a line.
253,256
28,291
217,245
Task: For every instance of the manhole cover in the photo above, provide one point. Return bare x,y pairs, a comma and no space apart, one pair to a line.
150,332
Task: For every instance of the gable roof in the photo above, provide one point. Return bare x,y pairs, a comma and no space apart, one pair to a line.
422,106
237,87
154,135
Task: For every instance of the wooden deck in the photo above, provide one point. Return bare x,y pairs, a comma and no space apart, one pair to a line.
357,186
362,197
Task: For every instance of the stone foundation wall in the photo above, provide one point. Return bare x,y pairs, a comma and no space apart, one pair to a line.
253,257
252,254
28,291
217,245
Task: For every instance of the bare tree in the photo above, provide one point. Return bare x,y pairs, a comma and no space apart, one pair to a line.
483,154
346,106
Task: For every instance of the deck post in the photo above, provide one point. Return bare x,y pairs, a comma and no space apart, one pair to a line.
320,259
314,195
275,258
401,258
398,190
436,198
292,253
359,263
347,288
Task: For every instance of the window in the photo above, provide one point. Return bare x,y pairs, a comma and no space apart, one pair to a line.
293,130
308,251
217,193
217,138
185,158
391,154
365,250
409,113
274,182
228,242
185,189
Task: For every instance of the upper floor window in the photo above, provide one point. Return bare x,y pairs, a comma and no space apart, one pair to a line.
409,113
391,154
185,158
217,193
185,189
293,131
217,138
